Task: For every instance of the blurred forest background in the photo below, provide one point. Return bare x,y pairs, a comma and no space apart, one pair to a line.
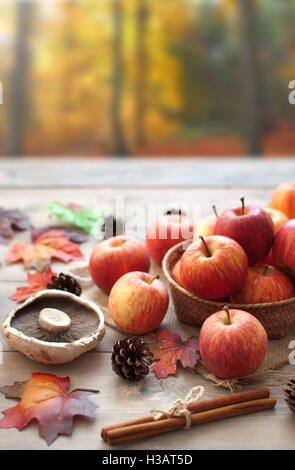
147,77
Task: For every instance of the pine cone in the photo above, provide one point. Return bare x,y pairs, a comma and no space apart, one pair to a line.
175,211
66,283
131,358
289,394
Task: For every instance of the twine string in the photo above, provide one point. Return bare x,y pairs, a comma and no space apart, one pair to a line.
179,406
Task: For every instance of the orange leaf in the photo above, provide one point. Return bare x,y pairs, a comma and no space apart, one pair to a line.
36,281
45,398
53,244
168,349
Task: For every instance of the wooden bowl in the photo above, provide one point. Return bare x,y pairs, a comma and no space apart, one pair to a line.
276,317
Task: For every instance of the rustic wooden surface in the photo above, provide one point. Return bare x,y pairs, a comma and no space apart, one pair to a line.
29,186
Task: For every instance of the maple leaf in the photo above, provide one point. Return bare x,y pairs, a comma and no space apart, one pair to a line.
75,237
37,281
53,244
86,218
169,349
45,397
10,221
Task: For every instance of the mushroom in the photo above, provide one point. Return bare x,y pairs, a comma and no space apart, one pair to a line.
54,327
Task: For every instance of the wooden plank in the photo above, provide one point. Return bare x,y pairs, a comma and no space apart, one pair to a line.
120,400
181,171
143,205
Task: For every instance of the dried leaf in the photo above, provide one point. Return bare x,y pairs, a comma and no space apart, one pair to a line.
45,398
86,218
169,349
53,244
75,237
10,221
37,281
13,391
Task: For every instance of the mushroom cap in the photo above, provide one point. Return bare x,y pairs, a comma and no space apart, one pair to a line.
49,351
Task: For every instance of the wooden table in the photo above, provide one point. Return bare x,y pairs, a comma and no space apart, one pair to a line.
29,185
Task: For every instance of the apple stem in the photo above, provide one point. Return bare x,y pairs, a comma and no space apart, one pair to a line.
153,278
243,204
207,249
215,211
226,309
265,269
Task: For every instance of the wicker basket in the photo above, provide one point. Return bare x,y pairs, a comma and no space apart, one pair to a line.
276,317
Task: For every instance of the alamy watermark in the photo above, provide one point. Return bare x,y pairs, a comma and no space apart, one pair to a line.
137,217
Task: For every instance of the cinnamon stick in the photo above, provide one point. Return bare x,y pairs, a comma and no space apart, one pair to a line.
200,406
132,433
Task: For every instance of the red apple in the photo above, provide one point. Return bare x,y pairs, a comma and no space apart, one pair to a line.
214,267
206,227
251,227
165,232
138,302
175,274
233,343
284,249
116,256
283,199
264,284
268,260
277,217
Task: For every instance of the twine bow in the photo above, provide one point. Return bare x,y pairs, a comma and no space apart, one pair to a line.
179,407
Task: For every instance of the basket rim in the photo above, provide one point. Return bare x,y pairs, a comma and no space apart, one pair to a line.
218,304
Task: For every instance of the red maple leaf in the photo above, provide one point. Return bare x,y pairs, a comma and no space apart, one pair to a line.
169,349
45,398
53,244
37,281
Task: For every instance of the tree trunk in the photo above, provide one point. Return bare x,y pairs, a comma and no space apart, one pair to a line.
251,76
141,71
118,144
19,80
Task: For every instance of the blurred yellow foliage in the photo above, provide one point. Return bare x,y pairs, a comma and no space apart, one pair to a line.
72,73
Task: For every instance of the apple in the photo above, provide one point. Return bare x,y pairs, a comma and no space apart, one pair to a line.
277,217
167,231
283,199
268,260
233,343
116,256
214,267
284,249
176,274
251,227
264,284
138,302
207,226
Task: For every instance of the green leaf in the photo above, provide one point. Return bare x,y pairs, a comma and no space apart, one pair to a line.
88,219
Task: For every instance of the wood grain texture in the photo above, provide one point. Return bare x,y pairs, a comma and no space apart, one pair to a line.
29,185
119,400
181,171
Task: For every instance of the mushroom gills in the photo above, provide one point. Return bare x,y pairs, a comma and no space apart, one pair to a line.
78,326
84,321
54,320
